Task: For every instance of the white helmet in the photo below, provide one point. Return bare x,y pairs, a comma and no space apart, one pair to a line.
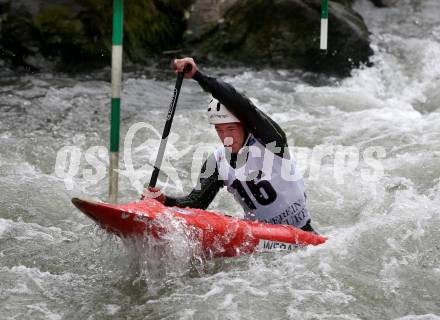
218,113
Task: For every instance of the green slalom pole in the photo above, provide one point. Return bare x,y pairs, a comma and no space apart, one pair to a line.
118,20
324,25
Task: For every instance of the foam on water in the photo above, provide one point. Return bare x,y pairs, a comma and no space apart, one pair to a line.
173,256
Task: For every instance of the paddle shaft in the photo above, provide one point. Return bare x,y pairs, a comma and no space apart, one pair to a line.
167,128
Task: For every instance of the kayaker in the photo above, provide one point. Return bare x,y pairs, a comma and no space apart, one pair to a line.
252,144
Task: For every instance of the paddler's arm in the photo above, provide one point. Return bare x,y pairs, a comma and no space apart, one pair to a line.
254,120
205,191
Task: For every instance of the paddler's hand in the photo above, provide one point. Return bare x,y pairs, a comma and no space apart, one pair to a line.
179,65
153,193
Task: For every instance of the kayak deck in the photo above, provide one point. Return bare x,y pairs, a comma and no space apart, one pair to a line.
219,235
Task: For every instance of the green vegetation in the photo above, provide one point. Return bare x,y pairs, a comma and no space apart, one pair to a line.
81,32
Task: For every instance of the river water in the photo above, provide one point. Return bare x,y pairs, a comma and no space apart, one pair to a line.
369,148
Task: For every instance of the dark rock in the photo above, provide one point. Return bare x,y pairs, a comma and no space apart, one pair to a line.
153,27
71,34
282,33
384,3
17,34
205,15
77,33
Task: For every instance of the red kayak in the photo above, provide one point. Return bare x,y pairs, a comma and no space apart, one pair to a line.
219,235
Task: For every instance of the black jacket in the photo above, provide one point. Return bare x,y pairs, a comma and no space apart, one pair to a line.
256,122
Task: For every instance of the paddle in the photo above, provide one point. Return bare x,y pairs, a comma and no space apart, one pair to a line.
167,128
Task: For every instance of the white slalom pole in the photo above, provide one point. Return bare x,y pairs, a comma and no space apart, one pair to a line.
118,16
324,25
